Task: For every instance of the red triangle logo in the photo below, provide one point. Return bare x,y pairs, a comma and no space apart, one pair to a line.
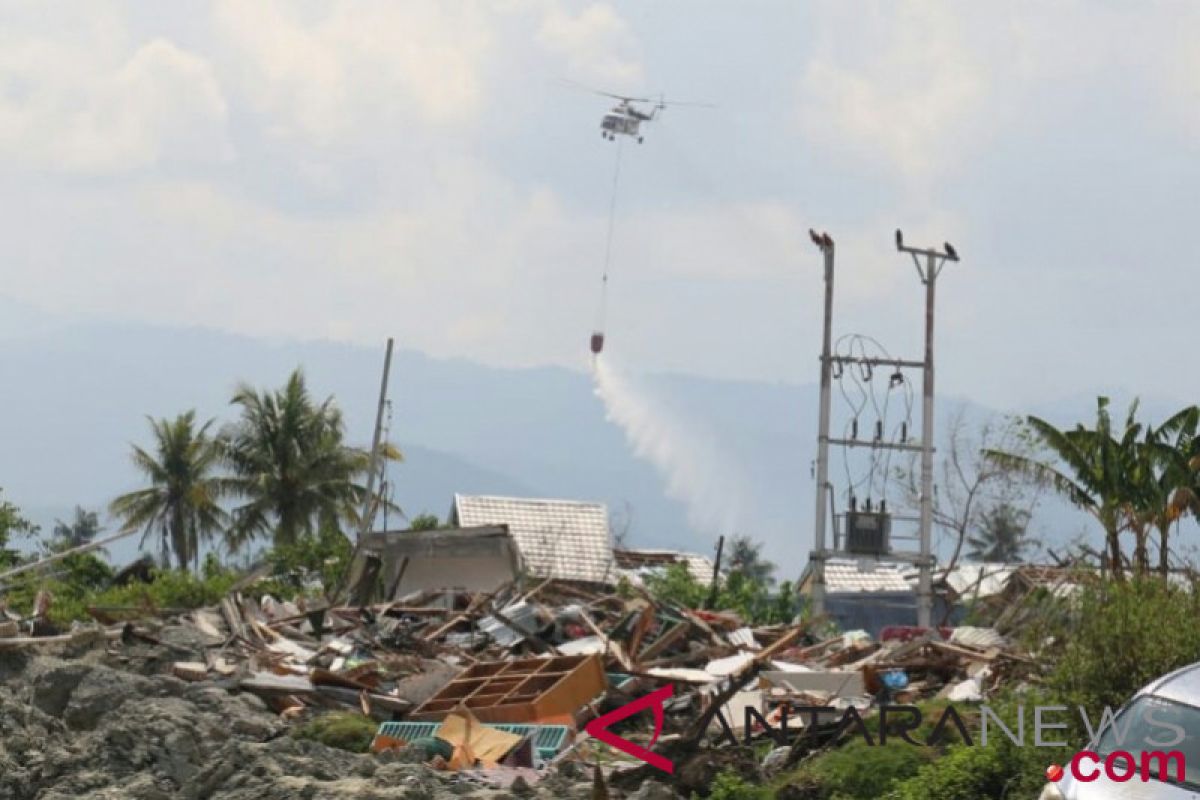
654,701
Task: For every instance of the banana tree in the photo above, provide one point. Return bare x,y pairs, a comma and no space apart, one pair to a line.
1091,468
1173,451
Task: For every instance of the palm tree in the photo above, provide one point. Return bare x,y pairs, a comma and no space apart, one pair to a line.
1170,453
290,464
1096,468
81,530
745,557
1001,536
182,503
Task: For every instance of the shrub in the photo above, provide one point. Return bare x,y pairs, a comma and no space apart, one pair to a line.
320,560
75,591
752,598
859,770
1123,636
731,786
344,730
975,772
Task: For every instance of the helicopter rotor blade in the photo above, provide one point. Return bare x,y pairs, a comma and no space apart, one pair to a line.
603,93
686,103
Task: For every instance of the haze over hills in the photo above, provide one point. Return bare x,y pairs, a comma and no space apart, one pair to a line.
76,395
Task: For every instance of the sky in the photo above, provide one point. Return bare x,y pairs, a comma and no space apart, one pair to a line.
433,171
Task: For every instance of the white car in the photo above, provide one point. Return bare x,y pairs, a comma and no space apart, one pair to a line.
1173,699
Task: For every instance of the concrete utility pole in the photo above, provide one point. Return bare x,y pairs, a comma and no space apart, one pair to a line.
818,555
929,263
934,260
368,510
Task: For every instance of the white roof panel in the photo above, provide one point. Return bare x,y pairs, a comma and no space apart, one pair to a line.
565,539
863,576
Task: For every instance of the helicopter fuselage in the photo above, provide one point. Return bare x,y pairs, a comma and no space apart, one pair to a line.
615,124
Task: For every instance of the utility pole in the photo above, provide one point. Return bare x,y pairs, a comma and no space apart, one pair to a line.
818,555
363,572
929,263
364,523
928,272
714,585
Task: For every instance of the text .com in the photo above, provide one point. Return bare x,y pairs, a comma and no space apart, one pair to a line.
1120,766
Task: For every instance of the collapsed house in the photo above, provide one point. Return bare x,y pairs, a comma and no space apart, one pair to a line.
501,636
492,541
477,559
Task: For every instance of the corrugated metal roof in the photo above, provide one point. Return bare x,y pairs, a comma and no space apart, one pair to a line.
522,614
981,638
556,538
863,576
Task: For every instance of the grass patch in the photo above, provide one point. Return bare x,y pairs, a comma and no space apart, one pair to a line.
344,730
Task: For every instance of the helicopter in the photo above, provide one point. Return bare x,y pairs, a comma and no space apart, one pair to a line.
625,118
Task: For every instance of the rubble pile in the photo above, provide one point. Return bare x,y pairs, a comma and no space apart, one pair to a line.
472,693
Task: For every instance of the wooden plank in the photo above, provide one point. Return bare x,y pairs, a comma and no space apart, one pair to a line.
190,670
610,646
233,617
473,608
782,643
639,630
538,642
663,642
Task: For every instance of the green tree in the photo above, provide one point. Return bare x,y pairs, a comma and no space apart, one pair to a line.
968,484
290,465
317,558
1170,466
1001,534
12,524
1092,470
1117,638
182,504
745,558
83,528
675,584
424,522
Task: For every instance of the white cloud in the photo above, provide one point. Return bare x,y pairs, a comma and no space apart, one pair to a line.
894,85
340,73
71,109
597,45
920,87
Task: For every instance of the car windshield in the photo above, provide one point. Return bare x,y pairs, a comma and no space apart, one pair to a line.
1145,727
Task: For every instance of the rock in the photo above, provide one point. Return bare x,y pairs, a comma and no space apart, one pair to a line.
775,761
653,790
53,684
115,726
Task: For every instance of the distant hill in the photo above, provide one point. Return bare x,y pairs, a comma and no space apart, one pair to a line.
75,397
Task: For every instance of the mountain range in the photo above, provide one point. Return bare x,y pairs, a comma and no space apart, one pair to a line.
77,394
